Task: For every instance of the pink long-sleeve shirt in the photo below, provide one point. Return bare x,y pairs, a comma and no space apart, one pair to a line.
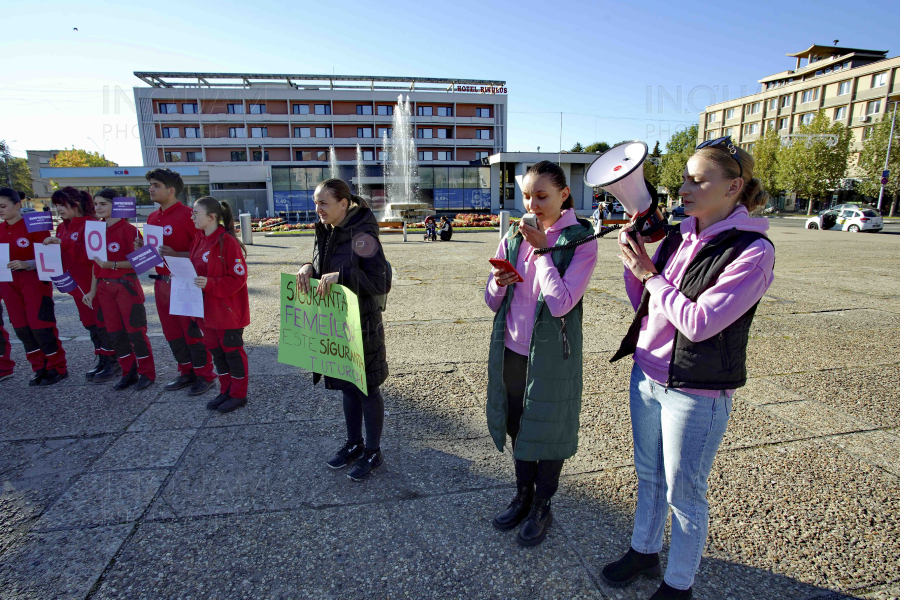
740,285
561,294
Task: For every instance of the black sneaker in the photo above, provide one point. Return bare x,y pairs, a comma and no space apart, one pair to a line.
112,370
53,376
6,375
667,592
181,382
143,383
630,567
128,380
370,460
38,377
217,401
347,454
201,386
231,404
535,526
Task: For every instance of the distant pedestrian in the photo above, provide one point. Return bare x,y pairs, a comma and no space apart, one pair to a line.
535,359
446,229
694,304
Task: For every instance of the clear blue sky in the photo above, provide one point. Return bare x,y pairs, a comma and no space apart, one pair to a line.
593,61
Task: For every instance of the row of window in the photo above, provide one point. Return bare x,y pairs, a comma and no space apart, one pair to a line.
191,108
189,156
309,155
872,108
321,132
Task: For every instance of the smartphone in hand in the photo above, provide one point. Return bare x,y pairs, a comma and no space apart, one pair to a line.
505,265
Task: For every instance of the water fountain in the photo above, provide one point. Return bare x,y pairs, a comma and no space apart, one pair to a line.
360,173
402,171
334,171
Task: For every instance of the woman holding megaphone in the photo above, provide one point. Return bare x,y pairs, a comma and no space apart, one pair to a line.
694,302
535,363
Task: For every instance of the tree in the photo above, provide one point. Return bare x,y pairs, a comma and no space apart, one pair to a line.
656,152
765,155
679,149
871,162
600,147
577,147
651,173
14,172
81,158
810,167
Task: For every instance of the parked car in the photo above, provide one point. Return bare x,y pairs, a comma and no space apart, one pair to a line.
848,219
22,211
678,212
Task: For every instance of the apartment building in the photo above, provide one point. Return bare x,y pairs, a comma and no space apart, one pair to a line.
854,86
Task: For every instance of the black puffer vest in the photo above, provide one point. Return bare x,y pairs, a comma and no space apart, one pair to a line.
354,251
717,363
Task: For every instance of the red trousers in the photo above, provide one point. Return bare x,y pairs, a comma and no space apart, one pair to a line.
6,363
184,336
29,302
122,309
89,318
227,349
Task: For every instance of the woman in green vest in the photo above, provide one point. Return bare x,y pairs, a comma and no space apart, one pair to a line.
535,364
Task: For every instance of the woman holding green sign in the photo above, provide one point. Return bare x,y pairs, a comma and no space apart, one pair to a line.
348,252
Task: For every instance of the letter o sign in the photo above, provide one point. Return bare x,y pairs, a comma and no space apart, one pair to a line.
95,241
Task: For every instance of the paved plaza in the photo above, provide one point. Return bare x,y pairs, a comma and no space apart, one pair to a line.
150,495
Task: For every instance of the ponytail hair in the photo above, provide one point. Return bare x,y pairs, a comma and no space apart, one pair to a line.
224,216
341,191
73,198
753,196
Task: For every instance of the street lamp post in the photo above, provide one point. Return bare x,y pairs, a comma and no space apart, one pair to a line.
887,158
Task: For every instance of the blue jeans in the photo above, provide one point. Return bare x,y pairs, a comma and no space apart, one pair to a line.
676,436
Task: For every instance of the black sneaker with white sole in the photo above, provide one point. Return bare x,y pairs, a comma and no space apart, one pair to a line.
370,460
347,454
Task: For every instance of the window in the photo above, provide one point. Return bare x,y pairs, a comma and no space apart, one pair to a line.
806,119
425,155
773,103
484,113
482,134
168,109
729,130
192,132
710,135
171,132
783,123
837,68
364,132
384,130
711,118
729,114
323,109
445,155
445,111
809,96
364,109
385,110
322,155
846,64
382,155
260,155
324,132
235,109
303,155
301,109
840,113
301,132
257,109
237,132
751,129
173,157
873,107
481,154
445,134
819,73
189,109
368,154
425,134
425,111
844,88
770,124
259,132
238,155
754,108
195,157
749,147
879,80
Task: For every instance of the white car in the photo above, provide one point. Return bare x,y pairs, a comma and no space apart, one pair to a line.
847,219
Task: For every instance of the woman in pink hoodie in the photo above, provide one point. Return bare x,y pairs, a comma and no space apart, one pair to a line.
694,302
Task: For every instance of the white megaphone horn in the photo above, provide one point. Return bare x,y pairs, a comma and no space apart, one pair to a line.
620,171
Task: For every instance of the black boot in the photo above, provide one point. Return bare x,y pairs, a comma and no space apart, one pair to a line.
630,567
534,528
182,381
515,510
128,380
53,376
110,371
667,592
102,359
38,377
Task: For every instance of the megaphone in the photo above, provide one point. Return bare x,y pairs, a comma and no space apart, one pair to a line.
620,171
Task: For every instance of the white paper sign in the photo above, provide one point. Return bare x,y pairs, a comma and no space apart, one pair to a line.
153,235
5,272
95,239
185,298
49,261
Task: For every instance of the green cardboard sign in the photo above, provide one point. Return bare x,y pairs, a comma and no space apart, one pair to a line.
322,334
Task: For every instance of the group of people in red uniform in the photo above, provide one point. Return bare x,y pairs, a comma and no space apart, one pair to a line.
110,299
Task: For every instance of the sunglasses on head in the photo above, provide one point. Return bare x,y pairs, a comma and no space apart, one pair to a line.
728,145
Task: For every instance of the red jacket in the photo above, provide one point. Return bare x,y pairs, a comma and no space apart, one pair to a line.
74,252
21,243
226,302
178,229
119,244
